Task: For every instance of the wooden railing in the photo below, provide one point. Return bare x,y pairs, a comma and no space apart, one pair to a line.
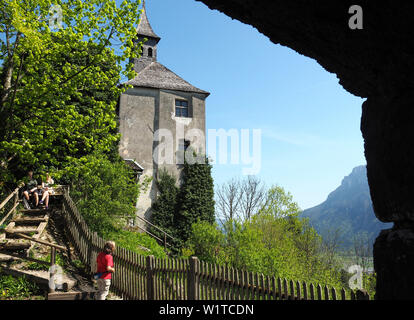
6,204
165,235
150,278
52,261
129,280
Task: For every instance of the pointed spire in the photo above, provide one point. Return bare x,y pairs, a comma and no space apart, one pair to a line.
144,28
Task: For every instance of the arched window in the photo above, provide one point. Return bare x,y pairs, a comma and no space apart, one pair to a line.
143,51
150,52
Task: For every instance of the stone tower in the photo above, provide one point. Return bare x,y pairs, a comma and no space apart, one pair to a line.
160,117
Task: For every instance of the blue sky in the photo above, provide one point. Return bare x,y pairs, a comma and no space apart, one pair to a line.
310,124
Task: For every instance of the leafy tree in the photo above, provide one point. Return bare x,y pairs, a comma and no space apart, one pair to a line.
308,242
279,203
105,192
164,209
59,86
196,198
206,242
275,242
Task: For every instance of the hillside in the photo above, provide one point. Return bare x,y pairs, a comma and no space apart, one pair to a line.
349,208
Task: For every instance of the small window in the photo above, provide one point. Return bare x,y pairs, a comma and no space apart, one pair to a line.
181,108
183,145
150,52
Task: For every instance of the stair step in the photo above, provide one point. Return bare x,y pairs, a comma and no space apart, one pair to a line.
29,220
4,257
22,229
11,233
15,245
34,212
42,277
72,295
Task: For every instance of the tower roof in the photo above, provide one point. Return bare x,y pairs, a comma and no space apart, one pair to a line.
157,76
144,28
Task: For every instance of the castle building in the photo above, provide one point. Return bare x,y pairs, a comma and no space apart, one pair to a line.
160,117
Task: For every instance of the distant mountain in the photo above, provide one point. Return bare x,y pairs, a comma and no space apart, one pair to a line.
349,208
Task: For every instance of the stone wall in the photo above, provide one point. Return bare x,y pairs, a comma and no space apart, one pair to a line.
142,112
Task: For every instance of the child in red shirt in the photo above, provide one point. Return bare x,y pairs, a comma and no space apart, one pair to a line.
105,268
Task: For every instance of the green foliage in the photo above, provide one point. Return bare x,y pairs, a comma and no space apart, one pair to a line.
206,242
37,266
58,97
17,288
196,198
164,209
59,88
59,260
136,242
177,208
105,192
369,282
279,203
273,242
68,125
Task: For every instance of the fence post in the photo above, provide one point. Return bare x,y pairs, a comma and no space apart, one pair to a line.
362,295
16,198
165,241
193,278
52,263
150,278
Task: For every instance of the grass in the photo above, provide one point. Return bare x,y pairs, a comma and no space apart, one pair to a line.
18,288
132,240
41,266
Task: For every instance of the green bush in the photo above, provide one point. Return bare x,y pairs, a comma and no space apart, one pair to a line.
196,197
164,210
274,242
268,248
104,191
134,240
206,242
40,266
369,283
17,288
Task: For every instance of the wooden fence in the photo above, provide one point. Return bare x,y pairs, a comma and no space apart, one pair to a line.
149,278
8,206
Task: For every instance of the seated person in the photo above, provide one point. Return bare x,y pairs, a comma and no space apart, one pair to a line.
30,187
38,193
47,190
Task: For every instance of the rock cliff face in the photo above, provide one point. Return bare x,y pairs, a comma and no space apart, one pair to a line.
349,208
377,63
